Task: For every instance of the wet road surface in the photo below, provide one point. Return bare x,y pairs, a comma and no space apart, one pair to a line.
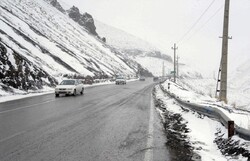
107,123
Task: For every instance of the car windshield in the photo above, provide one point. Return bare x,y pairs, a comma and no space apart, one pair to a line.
67,82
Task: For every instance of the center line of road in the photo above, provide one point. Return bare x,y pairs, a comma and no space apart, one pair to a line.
20,108
150,141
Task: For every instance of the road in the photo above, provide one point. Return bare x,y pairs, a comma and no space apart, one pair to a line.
107,123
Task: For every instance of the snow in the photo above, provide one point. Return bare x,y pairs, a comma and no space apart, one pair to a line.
238,95
154,65
120,39
241,118
56,30
202,129
84,49
6,96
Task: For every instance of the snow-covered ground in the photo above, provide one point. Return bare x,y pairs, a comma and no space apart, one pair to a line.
202,134
238,95
241,118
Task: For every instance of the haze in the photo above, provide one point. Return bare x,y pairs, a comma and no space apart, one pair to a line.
165,22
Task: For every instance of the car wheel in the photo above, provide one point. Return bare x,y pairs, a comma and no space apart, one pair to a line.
57,95
82,91
74,92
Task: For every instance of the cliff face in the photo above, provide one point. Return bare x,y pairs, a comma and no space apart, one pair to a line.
56,4
85,20
18,72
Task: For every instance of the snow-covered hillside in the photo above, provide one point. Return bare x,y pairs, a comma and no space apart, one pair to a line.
121,39
238,89
142,52
50,37
50,41
155,65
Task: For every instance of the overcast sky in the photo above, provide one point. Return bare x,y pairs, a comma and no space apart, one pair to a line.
165,22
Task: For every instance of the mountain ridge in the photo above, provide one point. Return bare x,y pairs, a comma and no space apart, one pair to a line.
49,40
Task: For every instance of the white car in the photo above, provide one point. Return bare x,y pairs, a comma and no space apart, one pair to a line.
120,80
69,87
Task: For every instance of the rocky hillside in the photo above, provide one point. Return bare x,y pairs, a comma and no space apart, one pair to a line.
18,72
85,20
56,4
40,42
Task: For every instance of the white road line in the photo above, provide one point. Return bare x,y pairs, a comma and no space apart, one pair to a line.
150,141
20,108
12,136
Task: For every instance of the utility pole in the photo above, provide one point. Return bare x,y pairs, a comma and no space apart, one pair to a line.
174,48
224,55
177,62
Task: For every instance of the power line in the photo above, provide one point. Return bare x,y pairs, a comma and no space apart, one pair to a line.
209,19
196,22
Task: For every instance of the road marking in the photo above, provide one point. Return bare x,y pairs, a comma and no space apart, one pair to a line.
150,141
20,108
12,136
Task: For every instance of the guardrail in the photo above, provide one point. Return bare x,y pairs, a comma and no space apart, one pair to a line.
210,112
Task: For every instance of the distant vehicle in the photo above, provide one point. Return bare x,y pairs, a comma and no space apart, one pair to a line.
155,79
142,78
120,80
69,87
88,81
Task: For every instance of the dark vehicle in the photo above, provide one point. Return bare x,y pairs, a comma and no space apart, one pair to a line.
88,80
155,79
142,79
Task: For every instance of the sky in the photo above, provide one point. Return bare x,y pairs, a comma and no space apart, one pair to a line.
194,25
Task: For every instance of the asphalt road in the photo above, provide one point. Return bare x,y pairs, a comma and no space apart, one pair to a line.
107,123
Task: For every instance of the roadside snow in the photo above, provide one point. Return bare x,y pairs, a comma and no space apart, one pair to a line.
201,91
238,95
5,96
202,129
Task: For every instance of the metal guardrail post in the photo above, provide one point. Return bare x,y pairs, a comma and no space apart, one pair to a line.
230,128
215,113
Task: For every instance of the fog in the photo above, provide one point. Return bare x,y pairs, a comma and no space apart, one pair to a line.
194,25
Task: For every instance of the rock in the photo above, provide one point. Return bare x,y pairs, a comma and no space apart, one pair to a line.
18,74
85,20
74,14
57,5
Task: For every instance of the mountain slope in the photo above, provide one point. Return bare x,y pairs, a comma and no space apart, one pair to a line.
121,39
50,40
142,52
